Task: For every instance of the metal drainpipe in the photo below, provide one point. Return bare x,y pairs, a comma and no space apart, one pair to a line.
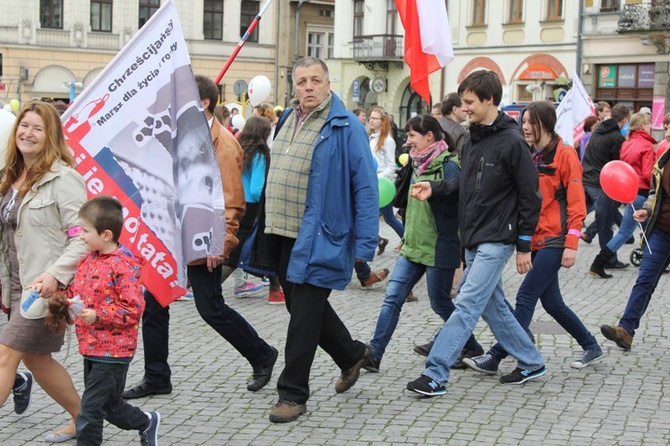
277,5
297,30
580,20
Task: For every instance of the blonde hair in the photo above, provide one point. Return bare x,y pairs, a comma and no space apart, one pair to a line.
637,121
55,148
385,130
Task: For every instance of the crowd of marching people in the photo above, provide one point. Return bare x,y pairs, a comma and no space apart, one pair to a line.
475,188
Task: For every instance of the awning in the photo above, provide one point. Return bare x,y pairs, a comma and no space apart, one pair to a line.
538,72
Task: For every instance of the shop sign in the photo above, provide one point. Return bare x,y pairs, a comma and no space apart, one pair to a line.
607,76
626,76
645,78
538,72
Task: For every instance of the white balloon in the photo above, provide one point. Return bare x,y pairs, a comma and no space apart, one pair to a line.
238,122
259,89
7,107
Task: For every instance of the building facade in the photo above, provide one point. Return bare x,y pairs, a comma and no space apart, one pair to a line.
532,46
626,54
48,47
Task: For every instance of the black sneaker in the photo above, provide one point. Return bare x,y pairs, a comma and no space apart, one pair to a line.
22,393
426,386
372,365
149,436
424,350
466,353
520,376
485,363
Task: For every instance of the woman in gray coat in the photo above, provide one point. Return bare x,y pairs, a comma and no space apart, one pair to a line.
41,194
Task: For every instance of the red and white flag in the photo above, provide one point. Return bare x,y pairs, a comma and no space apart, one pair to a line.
428,45
575,107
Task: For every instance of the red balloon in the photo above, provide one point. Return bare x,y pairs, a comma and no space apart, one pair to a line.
619,181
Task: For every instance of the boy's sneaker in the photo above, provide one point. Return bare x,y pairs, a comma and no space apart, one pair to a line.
265,281
588,357
520,376
276,297
247,289
426,386
149,437
485,363
22,393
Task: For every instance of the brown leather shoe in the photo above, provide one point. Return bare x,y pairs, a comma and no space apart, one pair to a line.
349,377
286,411
617,334
375,277
411,297
382,245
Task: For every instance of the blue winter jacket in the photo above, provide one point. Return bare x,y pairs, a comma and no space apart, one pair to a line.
341,219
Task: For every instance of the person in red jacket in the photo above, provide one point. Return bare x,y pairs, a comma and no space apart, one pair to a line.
555,240
108,284
638,151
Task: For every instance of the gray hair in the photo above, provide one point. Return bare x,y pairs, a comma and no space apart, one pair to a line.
309,61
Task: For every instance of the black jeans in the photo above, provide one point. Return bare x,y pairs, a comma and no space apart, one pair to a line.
212,307
104,383
313,322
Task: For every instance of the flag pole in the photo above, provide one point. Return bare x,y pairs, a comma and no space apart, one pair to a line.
242,41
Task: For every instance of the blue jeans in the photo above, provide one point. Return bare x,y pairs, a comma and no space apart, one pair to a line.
405,275
650,272
541,283
604,208
481,294
627,226
391,220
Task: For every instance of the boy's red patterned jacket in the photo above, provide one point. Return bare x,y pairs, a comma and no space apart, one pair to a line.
109,284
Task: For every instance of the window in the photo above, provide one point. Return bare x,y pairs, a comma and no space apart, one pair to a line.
479,13
320,44
609,5
212,25
391,17
51,14
147,9
554,9
325,12
249,12
101,15
359,16
516,11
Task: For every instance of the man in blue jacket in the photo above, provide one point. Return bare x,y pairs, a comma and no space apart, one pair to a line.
321,214
499,206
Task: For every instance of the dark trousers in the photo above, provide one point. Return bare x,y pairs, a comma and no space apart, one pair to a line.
212,307
652,267
104,383
313,322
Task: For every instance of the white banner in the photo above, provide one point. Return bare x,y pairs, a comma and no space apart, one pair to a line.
138,133
575,107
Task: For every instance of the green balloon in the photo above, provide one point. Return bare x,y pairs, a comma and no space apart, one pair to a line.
386,191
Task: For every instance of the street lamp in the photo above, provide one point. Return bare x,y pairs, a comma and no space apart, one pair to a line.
72,85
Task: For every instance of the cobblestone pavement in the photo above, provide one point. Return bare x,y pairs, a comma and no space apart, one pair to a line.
620,400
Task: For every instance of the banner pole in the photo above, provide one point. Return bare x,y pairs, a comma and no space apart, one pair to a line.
242,41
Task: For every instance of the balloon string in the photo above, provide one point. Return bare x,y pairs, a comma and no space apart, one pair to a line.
646,242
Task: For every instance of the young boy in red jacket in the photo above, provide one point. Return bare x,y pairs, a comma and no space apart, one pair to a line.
108,283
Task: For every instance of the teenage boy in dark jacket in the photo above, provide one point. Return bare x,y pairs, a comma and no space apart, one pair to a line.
604,147
499,206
